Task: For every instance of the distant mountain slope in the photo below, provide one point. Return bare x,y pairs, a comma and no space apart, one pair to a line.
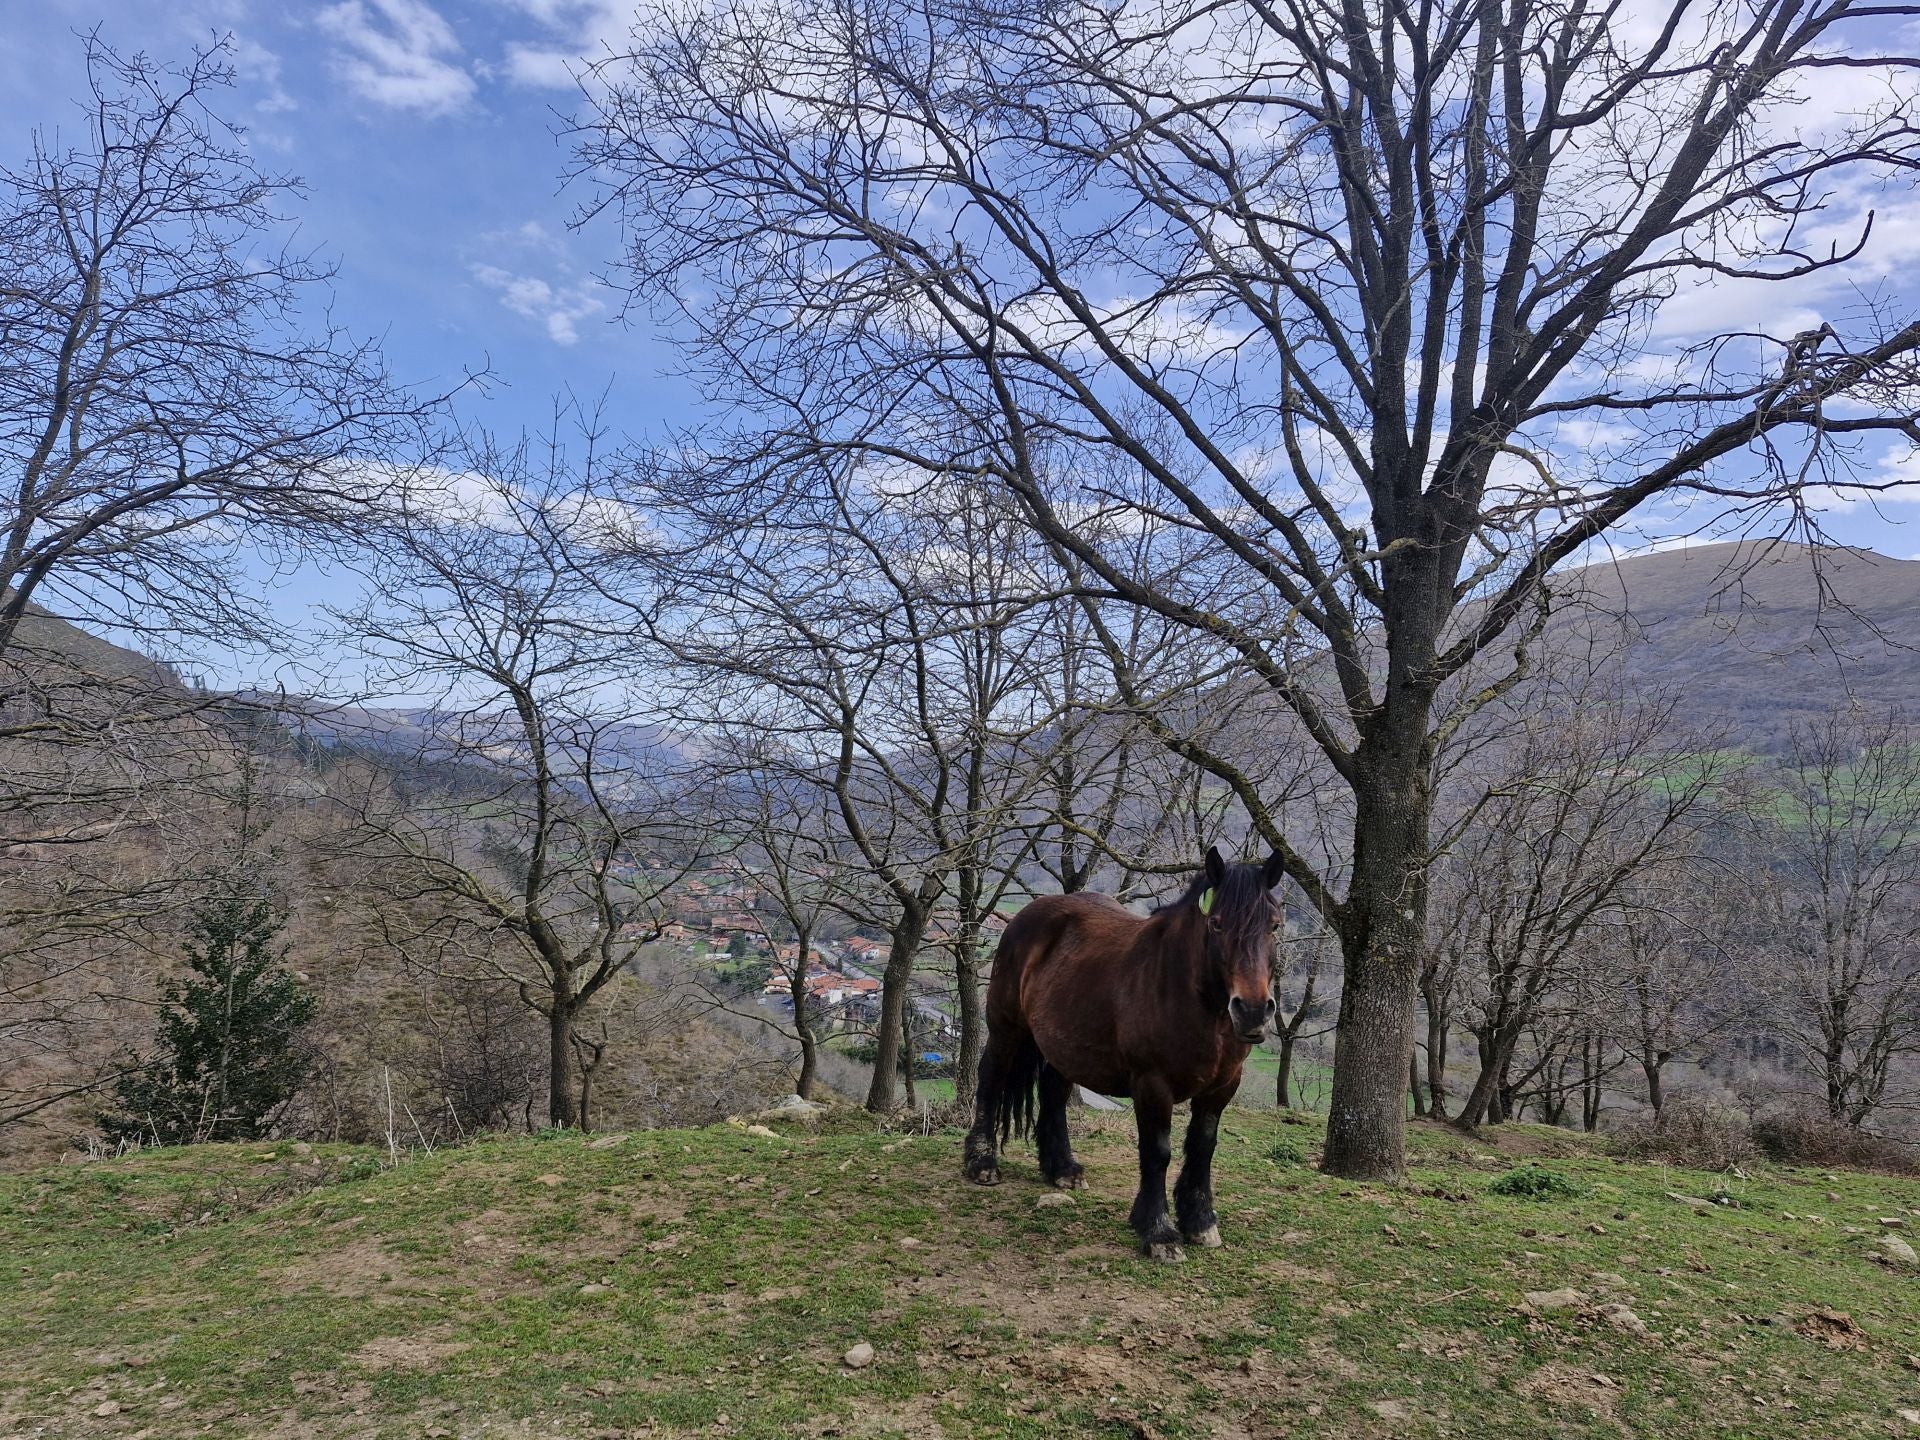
43,638
1757,634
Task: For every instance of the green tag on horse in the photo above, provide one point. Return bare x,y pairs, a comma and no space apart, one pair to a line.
1206,901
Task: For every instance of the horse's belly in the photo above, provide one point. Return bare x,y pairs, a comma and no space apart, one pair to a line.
1084,1062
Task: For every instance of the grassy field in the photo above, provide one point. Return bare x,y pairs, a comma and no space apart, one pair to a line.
709,1283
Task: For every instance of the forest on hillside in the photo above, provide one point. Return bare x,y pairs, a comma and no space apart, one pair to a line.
635,781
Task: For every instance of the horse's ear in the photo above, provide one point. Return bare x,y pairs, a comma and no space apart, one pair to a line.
1216,867
1275,871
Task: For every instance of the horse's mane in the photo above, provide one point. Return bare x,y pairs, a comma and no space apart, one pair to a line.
1243,907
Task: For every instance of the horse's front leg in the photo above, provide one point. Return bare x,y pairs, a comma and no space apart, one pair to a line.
1193,1193
1153,1115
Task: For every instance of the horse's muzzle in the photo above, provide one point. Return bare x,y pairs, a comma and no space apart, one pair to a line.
1249,1021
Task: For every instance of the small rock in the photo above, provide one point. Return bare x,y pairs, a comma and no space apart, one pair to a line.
1692,1202
1912,1362
301,1147
1608,1280
548,1180
1051,1199
595,1289
1597,1228
794,1105
1892,1251
1621,1317
1295,1237
859,1357
606,1142
1833,1197
1555,1299
762,1131
1912,1417
106,1408
911,1242
657,1246
1893,1222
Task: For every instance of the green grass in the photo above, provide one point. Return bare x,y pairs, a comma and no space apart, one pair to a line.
222,1291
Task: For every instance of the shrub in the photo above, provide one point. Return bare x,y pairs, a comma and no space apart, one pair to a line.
1287,1151
1536,1182
1691,1133
1805,1136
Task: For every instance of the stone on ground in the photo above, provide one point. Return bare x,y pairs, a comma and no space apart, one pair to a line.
859,1357
1555,1299
1051,1199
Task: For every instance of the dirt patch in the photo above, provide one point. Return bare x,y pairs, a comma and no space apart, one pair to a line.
1834,1329
1560,1384
352,1269
914,1419
406,1352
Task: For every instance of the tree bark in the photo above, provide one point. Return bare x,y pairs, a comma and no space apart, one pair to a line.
1436,1063
966,980
1650,1066
809,1045
1382,927
560,1107
1283,1076
882,1093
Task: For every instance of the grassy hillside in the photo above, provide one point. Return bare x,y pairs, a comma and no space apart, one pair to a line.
709,1282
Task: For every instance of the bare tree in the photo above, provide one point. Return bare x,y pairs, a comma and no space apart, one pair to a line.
1664,967
785,841
1598,791
549,830
164,399
1838,885
1350,296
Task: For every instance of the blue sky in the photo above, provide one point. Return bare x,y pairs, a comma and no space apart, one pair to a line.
427,134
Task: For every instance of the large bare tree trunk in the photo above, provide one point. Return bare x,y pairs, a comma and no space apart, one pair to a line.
1383,938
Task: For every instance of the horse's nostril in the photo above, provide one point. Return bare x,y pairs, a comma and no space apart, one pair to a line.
1270,1007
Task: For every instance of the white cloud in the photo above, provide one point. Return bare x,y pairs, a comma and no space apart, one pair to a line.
398,53
576,31
557,307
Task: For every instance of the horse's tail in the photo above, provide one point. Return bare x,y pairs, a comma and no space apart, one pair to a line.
1009,1088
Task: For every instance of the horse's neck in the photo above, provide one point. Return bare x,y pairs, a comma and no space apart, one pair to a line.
1171,954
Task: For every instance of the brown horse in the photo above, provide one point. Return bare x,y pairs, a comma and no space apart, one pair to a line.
1164,1009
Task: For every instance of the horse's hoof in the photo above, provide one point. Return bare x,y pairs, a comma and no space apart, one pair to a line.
1075,1181
985,1175
1208,1238
1167,1252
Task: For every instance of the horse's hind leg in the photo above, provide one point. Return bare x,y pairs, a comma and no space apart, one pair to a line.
1153,1114
1193,1192
1050,1133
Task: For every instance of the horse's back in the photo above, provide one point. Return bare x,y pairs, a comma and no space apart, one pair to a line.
1053,977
